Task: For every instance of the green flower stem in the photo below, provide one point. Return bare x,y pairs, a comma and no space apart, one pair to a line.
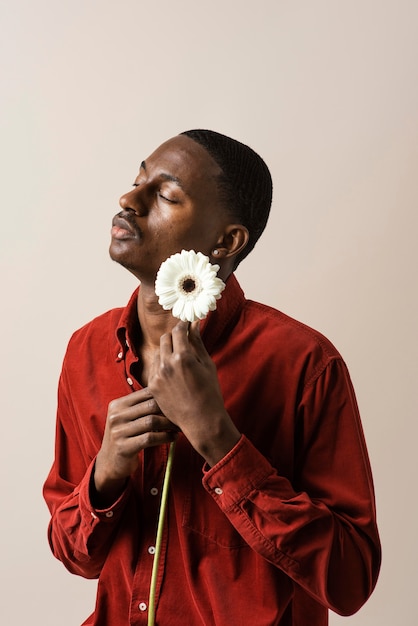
161,519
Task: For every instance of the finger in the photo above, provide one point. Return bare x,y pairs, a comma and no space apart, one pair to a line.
148,440
195,339
180,337
148,424
135,397
119,411
166,347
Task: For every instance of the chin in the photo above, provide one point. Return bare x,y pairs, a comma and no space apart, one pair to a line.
142,274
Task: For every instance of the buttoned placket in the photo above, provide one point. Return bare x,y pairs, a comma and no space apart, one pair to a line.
122,355
155,460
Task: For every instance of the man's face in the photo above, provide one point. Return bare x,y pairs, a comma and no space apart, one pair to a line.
174,205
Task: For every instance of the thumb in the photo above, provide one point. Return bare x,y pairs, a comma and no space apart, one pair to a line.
195,339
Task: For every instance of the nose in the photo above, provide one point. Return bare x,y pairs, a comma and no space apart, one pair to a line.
133,201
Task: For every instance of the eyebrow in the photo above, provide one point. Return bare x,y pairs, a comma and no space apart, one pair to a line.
164,176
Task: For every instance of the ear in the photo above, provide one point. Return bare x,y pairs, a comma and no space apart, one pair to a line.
232,241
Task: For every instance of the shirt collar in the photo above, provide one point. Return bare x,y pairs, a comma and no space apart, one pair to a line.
216,328
128,322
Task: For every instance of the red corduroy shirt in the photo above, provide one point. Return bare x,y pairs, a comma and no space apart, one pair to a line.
277,532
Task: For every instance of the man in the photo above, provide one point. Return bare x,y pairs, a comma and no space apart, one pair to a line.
271,517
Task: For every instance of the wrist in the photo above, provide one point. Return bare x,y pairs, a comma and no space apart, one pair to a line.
213,449
105,492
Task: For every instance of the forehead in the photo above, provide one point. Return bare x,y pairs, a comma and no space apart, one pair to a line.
186,160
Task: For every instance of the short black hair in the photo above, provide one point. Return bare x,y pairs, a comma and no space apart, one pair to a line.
245,184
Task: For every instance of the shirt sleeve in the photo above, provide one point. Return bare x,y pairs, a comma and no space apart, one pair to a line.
320,526
79,535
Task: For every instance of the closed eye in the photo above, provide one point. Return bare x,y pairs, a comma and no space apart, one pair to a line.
161,195
167,199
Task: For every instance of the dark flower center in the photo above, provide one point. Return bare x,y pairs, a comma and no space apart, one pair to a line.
188,285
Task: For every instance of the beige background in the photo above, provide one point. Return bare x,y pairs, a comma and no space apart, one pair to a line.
327,92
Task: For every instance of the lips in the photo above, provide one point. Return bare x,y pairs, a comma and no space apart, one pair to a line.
122,228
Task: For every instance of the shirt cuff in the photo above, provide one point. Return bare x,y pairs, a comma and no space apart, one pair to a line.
108,515
235,476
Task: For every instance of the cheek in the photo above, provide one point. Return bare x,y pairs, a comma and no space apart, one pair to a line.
171,234
171,231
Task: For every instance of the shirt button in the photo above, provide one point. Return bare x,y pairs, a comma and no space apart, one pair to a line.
142,606
219,491
120,355
109,514
129,381
154,491
151,549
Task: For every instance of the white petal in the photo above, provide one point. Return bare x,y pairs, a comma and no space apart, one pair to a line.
178,308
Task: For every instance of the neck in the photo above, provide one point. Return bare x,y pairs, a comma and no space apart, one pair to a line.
153,319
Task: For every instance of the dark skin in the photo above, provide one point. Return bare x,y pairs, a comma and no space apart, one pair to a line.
174,205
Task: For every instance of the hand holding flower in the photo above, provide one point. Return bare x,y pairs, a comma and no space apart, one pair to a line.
184,383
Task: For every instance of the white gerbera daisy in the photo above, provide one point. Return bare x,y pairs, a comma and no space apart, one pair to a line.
187,283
